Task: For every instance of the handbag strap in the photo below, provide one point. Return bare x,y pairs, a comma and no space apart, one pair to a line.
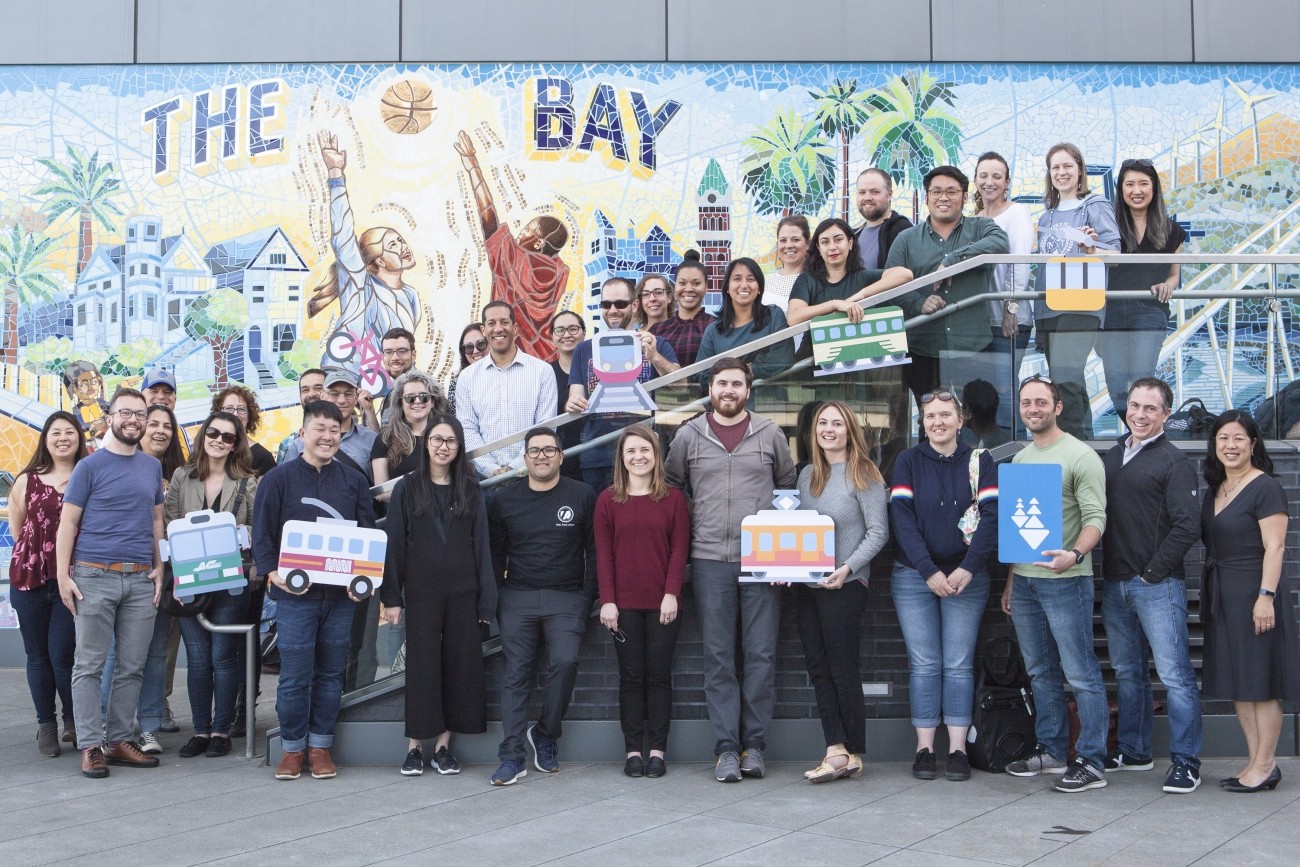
973,469
239,497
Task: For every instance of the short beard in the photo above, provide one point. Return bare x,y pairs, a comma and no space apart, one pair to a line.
740,408
879,215
125,440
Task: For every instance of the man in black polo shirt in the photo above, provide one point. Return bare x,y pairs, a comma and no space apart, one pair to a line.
544,554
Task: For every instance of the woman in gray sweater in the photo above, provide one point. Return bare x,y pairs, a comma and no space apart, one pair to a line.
843,484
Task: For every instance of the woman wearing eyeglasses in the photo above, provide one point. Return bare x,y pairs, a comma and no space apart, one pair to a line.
437,516
473,346
567,331
241,402
401,442
940,581
1129,344
656,296
219,476
643,537
745,318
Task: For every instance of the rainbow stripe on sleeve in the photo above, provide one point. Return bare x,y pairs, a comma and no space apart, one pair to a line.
989,493
903,492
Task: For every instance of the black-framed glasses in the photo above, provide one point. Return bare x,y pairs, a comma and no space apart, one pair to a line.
439,442
617,305
225,436
413,399
541,451
937,395
236,410
618,635
476,346
1130,164
654,293
398,353
568,330
128,414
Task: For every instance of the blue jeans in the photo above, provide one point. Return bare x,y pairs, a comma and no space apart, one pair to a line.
1053,618
940,634
50,641
1129,346
153,699
1139,616
215,663
313,637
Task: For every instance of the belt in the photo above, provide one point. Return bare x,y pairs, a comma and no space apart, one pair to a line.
117,567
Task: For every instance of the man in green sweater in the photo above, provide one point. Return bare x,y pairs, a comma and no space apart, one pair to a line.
1050,603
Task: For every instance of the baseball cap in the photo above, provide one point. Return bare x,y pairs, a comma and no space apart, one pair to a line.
158,376
341,374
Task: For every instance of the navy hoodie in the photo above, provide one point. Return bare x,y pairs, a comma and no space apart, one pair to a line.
930,493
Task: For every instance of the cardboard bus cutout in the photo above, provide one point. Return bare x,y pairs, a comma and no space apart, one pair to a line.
205,551
840,346
1029,512
332,550
786,543
616,362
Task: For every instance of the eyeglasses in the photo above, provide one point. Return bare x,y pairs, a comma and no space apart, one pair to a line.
945,193
653,293
617,305
439,442
569,331
619,635
541,451
128,414
937,395
412,399
1129,164
335,394
475,346
226,437
236,410
398,353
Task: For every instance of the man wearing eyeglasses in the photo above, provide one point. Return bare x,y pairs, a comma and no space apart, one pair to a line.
398,347
110,575
618,306
355,441
544,555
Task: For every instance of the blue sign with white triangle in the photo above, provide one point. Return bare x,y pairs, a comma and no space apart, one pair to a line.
1029,512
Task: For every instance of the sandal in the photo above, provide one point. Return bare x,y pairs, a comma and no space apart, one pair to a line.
854,767
825,772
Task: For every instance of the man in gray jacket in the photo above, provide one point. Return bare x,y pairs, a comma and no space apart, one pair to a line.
729,461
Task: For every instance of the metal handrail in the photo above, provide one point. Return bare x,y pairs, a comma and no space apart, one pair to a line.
250,672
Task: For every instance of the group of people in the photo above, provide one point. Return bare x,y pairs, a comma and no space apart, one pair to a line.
621,524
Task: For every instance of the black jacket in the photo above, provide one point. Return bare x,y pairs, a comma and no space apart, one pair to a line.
893,226
1153,512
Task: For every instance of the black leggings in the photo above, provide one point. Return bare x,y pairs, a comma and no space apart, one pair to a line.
645,677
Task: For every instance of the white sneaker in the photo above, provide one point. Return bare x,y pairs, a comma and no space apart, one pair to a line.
1039,762
149,743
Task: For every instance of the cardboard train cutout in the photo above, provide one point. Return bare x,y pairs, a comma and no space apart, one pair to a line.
840,346
616,362
204,548
331,550
786,543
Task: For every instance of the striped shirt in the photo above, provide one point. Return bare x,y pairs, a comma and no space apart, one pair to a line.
493,402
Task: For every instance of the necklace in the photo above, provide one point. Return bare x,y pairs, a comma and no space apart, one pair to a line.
1228,489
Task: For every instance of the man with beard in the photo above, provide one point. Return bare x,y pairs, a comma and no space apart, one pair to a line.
883,224
729,461
1050,602
110,576
398,347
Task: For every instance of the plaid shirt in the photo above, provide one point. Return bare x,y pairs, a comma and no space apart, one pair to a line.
684,335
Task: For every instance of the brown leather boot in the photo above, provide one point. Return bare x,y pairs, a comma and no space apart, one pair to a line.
93,764
127,754
290,767
322,766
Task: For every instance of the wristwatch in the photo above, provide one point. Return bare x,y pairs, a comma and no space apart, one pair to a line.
1078,556
1264,592
1012,307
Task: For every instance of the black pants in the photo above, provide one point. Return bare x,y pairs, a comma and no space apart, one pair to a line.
444,665
830,624
645,677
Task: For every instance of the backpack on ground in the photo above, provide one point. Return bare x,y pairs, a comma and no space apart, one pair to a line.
1002,723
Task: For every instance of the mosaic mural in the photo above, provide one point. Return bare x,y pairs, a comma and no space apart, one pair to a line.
241,223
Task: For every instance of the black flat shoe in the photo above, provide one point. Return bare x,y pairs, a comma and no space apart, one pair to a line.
634,767
218,747
655,767
195,746
1228,781
1270,783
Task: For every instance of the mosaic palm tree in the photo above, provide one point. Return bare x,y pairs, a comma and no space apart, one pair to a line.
82,184
27,280
790,167
842,110
912,131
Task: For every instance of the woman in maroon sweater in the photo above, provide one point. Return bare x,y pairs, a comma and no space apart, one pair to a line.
643,536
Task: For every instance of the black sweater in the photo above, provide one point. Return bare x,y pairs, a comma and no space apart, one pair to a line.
1153,512
544,540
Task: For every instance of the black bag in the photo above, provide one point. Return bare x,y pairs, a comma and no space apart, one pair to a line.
1192,421
1279,413
1002,723
270,651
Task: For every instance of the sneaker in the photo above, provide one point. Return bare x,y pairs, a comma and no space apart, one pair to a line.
414,764
727,769
218,746
753,763
1080,777
509,773
149,743
1118,760
545,756
923,768
444,762
958,767
1040,762
168,721
1182,779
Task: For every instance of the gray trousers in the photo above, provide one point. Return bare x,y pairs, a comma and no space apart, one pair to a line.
527,618
113,605
739,711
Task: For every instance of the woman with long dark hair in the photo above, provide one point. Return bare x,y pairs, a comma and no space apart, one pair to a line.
843,484
643,538
1129,344
1252,650
745,318
162,440
440,571
472,346
834,279
792,235
219,477
685,330
49,636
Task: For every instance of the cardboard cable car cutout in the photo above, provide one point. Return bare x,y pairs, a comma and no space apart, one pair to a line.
331,550
787,543
204,548
840,346
616,363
